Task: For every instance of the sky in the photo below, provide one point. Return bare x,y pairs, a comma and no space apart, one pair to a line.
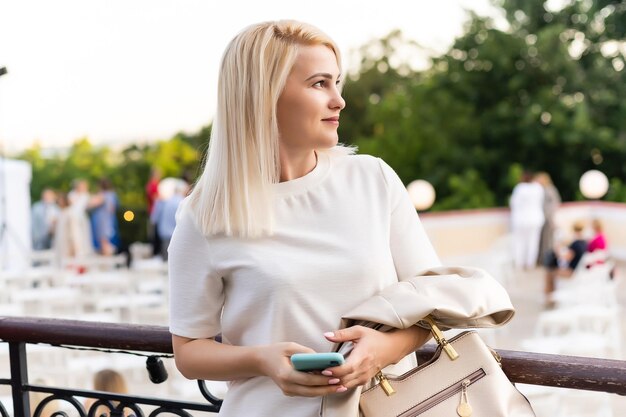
120,71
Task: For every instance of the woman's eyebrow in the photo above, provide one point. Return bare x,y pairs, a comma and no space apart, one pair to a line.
322,74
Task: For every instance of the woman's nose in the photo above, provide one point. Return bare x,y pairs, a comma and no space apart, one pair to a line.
337,102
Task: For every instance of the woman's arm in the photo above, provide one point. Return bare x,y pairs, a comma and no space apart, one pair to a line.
211,360
208,359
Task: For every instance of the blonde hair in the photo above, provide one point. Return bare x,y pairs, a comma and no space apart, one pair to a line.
233,196
543,178
578,226
111,381
108,380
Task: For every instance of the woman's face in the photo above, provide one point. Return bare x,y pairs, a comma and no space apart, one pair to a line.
308,108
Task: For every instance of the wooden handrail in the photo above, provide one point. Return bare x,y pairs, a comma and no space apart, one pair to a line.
591,374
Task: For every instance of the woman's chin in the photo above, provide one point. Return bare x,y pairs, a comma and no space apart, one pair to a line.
327,144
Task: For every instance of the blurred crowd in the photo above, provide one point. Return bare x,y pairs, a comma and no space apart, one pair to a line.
82,222
538,241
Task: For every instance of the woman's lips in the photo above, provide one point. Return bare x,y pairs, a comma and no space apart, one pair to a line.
333,120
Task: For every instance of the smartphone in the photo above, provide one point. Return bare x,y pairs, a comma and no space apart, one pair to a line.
316,361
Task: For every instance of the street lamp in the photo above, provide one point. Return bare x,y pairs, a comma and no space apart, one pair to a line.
422,194
593,184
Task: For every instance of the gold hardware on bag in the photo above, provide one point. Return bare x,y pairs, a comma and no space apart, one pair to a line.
464,409
384,384
496,356
441,340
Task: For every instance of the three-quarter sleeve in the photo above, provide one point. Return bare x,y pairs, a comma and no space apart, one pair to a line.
196,288
410,246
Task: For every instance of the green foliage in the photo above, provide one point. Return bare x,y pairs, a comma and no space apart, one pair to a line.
546,95
467,190
128,169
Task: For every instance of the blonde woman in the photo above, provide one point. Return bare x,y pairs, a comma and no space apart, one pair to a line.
284,231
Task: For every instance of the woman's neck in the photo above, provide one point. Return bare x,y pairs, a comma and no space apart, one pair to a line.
296,164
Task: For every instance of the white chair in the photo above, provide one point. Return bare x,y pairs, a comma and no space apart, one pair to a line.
49,302
600,322
590,283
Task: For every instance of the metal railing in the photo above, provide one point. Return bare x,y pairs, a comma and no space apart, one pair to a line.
20,331
591,374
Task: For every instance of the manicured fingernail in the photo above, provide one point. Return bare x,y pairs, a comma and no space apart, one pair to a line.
327,373
342,389
329,334
333,381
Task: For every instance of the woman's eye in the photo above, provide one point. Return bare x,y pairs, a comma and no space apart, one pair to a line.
320,83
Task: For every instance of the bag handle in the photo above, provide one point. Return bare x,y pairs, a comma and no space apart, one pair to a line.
441,341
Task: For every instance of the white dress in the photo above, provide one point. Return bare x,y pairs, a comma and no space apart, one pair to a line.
80,229
342,233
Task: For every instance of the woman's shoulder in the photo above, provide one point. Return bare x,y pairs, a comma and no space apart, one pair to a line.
367,169
356,161
187,225
185,213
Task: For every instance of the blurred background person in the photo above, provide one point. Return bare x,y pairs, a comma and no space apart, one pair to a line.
72,233
104,219
44,215
152,195
526,221
563,261
598,240
551,203
108,380
79,201
79,196
164,215
599,245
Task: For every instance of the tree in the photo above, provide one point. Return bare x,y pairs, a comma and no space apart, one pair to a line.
543,95
127,169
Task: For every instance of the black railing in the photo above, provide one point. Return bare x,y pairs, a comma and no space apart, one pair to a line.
590,374
19,331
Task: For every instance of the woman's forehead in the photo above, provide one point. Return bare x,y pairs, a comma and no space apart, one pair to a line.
316,59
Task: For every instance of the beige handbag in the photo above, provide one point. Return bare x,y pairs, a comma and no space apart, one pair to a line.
464,378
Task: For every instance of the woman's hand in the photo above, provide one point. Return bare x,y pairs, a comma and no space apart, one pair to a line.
373,351
274,361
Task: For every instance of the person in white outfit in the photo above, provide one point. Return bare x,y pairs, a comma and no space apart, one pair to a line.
79,199
527,219
285,231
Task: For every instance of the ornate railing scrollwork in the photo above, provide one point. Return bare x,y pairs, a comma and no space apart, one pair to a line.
107,338
3,411
112,405
207,394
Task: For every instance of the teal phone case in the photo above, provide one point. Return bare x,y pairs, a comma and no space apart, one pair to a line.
316,361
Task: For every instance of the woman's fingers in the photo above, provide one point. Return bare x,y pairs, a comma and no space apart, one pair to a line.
345,335
352,375
364,361
308,384
308,391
